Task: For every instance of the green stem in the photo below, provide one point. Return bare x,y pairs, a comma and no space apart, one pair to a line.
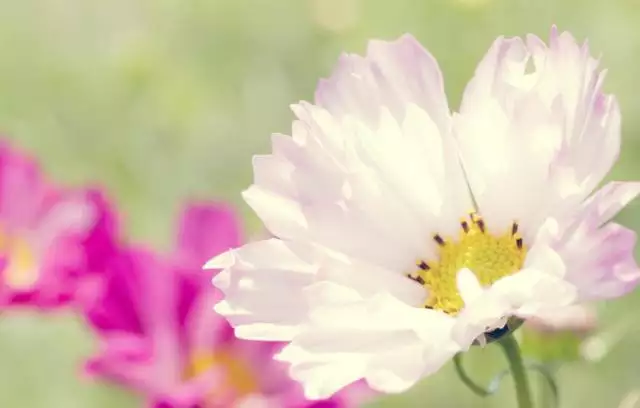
477,389
511,350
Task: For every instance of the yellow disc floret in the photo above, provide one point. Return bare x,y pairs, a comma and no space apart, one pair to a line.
489,257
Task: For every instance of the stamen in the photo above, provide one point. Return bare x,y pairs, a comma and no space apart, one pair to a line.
416,279
514,228
477,220
439,240
465,226
480,224
519,243
423,265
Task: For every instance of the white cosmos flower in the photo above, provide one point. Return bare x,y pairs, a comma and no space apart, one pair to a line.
404,233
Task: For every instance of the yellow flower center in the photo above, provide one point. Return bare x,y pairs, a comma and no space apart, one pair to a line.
238,379
21,270
489,257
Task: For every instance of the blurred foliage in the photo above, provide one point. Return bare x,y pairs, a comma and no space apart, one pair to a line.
162,100
551,348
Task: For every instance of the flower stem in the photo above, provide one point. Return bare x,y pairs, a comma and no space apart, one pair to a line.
464,377
512,351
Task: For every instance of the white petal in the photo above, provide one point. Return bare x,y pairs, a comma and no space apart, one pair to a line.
354,233
281,215
428,179
543,258
600,261
377,194
531,291
224,260
263,290
274,172
486,312
578,317
545,136
390,344
368,280
610,199
468,285
528,292
392,75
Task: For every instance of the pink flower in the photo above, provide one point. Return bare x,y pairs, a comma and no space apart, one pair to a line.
52,240
160,335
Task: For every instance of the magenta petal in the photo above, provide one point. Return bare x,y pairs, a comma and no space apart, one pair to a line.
118,309
22,188
102,243
323,404
207,229
192,394
124,358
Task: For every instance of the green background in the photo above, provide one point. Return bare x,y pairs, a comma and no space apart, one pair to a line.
161,100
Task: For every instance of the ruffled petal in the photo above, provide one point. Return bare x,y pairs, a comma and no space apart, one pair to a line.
605,203
262,283
600,261
377,194
535,124
599,254
392,75
389,343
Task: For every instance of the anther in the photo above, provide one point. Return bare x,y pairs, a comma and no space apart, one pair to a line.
465,226
416,279
519,243
439,240
514,228
423,265
480,224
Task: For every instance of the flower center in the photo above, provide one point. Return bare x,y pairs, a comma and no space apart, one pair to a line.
21,270
489,257
238,380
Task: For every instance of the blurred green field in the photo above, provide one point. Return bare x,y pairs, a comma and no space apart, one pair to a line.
161,100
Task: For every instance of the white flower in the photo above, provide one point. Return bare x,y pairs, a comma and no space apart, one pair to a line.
405,233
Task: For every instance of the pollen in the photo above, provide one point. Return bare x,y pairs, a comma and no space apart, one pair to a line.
21,270
238,378
489,257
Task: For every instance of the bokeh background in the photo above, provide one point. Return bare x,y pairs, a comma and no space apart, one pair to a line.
162,100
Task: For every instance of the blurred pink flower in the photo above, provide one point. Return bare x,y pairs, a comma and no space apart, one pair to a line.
52,240
160,335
